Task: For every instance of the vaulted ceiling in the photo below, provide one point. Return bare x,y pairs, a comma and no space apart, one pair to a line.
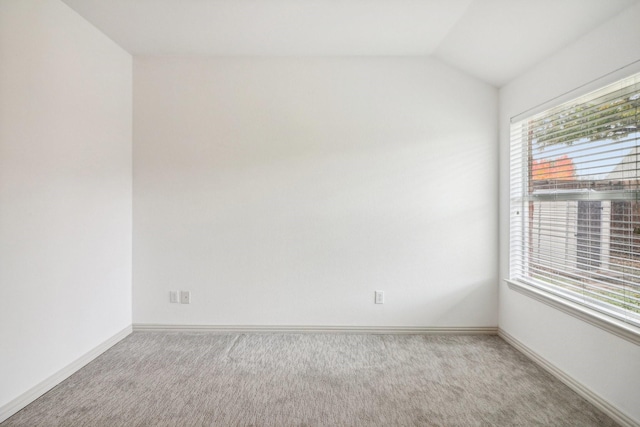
494,40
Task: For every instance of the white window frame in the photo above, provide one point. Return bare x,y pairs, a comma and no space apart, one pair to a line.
555,298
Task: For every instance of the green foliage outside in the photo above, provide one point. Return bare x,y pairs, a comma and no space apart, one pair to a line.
612,117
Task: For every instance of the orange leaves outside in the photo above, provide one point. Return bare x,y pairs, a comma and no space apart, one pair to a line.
560,168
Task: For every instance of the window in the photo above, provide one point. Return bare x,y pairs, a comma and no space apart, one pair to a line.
575,201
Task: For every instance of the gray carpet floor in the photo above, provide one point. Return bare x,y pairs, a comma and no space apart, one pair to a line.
207,379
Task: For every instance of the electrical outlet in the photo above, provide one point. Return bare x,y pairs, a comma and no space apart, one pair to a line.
379,297
173,297
185,297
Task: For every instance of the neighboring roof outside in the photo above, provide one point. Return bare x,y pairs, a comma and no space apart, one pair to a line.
628,167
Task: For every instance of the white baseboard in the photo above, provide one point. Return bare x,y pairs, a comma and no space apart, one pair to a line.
39,389
593,398
316,329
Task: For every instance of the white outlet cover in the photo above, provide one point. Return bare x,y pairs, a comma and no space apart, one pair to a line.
185,297
379,297
173,297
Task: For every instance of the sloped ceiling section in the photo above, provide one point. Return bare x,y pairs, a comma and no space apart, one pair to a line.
497,40
494,40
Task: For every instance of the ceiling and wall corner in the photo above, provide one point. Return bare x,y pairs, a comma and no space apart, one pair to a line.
493,40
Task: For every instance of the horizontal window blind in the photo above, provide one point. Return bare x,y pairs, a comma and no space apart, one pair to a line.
575,200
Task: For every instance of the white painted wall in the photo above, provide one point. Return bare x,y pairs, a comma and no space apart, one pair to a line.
608,365
285,191
65,191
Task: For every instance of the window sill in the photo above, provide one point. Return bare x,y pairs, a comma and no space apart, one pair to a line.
602,321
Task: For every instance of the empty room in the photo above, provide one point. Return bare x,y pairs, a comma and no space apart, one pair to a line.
319,213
